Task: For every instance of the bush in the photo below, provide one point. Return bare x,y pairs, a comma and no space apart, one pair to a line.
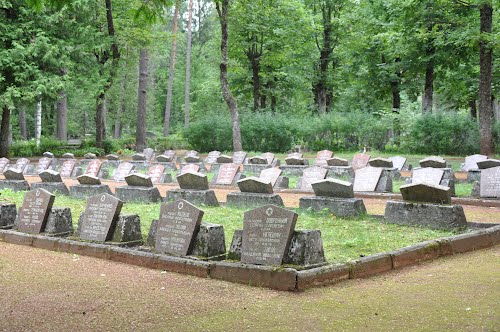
171,142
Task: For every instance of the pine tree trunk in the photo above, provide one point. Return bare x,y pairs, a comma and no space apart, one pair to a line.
428,88
485,79
62,117
140,133
4,132
396,107
222,10
255,80
117,133
170,86
22,122
100,120
473,108
38,121
188,65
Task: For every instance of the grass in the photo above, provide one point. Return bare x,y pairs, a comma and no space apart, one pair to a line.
343,239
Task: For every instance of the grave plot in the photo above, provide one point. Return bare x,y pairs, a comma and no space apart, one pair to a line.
194,189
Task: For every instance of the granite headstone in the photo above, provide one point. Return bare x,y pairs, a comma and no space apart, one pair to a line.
100,217
35,210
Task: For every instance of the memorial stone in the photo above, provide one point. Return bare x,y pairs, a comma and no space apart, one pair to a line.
336,161
367,178
270,157
270,175
212,157
8,215
433,161
68,155
427,175
489,163
164,158
67,168
89,156
139,157
322,157
193,168
239,157
35,210
194,189
148,153
139,180
21,164
426,193
490,182
52,182
89,180
227,174
398,162
14,180
48,154
122,171
4,162
471,162
14,174
156,172
223,159
195,181
360,160
43,164
113,157
99,218
258,160
50,176
311,174
380,162
93,168
333,188
255,185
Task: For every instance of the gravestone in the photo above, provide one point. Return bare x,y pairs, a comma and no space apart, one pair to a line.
227,174
258,160
270,157
490,182
239,157
100,218
471,162
255,185
157,173
194,189
256,164
427,175
271,175
52,182
93,168
193,168
339,168
50,176
168,160
89,180
335,195
293,159
360,160
14,174
212,157
48,154
489,163
311,174
149,154
67,168
8,215
372,179
253,192
68,155
178,226
89,155
170,154
336,161
164,158
34,212
21,164
14,180
4,162
426,193
139,188
88,186
113,157
433,161
380,162
223,159
322,157
122,171
192,157
399,162
267,232
139,157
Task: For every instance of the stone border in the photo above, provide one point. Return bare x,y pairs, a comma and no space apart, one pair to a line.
279,278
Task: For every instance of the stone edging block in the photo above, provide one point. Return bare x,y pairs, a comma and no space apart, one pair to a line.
370,265
323,275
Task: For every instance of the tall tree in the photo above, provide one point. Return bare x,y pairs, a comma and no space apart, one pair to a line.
62,116
38,120
140,134
188,65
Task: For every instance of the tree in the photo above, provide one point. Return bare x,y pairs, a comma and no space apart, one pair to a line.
140,134
485,79
188,65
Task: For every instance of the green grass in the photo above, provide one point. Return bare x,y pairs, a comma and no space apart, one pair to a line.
343,239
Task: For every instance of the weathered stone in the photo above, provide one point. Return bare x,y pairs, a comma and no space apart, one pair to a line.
474,175
426,193
322,157
311,174
489,163
8,215
224,159
89,156
490,182
292,170
345,173
59,222
270,157
43,164
89,180
34,212
128,230
192,168
192,159
367,179
93,168
336,161
471,162
476,190
14,174
148,153
196,181
113,157
157,173
195,197
227,174
164,158
21,164
341,207
50,176
249,200
4,162
239,157
122,171
258,160
433,161
100,218
399,162
212,157
48,154
271,175
255,185
360,160
138,194
51,187
380,162
67,168
14,185
68,155
434,216
333,188
84,191
139,180
295,161
428,175
139,157
295,155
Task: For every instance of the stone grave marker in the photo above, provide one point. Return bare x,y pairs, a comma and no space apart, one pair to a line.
89,155
21,164
67,168
35,210
139,157
360,160
471,162
193,181
426,193
223,159
3,164
267,232
322,157
48,154
156,173
50,176
239,157
212,157
13,174
164,158
148,153
170,153
258,160
333,188
43,164
122,171
490,182
227,173
139,180
433,161
489,163
427,175
178,226
381,162
113,157
311,174
100,217
367,178
336,161
89,180
255,185
270,175
269,157
295,155
93,168
398,162
193,168
68,155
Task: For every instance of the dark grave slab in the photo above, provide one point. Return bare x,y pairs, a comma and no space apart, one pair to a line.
148,153
426,193
223,159
239,157
21,164
48,154
212,157
367,179
89,180
14,180
267,232
433,161
258,160
113,157
100,218
194,181
333,188
139,157
68,155
192,159
295,161
270,157
178,226
196,197
309,175
251,200
89,156
295,155
398,162
4,162
489,163
191,153
52,182
322,157
59,222
139,180
193,168
93,168
227,174
360,160
156,172
336,161
170,153
271,175
139,188
255,185
122,171
471,162
380,162
428,175
14,174
490,182
50,176
164,158
8,213
34,212
67,168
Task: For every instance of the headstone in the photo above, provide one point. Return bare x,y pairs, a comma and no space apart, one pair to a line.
122,171
255,185
113,157
380,162
367,178
426,193
93,168
3,164
52,182
239,157
48,154
194,181
295,155
21,164
398,162
177,228
89,180
295,161
68,155
471,162
223,159
194,189
34,211
336,161
156,173
360,160
192,159
100,217
170,153
227,173
269,157
193,168
192,153
148,153
212,157
67,168
139,157
433,161
139,180
43,164
311,174
322,157
14,174
258,160
89,155
50,176
164,158
267,232
8,213
490,182
333,188
489,163
427,175
270,175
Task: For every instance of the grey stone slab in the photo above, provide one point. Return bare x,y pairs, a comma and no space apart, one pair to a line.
89,180
428,175
139,157
34,212
366,179
212,157
360,160
295,155
435,216
247,200
89,155
345,173
295,161
127,230
14,174
157,173
292,170
227,174
50,176
59,222
471,162
426,193
239,157
8,214
310,175
21,164
93,168
67,168
43,164
322,157
193,168
433,161
255,168
100,218
4,163
490,182
122,171
399,162
51,187
489,163
139,180
14,185
336,161
333,188
138,194
474,175
341,207
270,157
165,158
48,154
381,162
255,185
271,175
112,156
195,197
190,180
258,160
149,154
84,191
224,159
192,159
68,155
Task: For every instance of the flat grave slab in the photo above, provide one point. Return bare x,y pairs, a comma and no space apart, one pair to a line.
122,171
367,179
311,174
360,160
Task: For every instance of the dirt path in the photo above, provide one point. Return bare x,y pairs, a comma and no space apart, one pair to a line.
46,291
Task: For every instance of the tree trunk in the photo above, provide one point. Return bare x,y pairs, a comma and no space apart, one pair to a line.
188,65
11,138
140,133
38,121
428,88
485,79
254,59
473,108
62,117
321,88
222,10
4,132
22,122
100,120
396,107
117,133
170,86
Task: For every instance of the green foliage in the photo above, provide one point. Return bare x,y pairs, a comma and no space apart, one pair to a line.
171,142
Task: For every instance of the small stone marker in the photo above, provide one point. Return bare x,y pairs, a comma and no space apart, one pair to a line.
164,159
333,188
93,168
426,193
360,160
226,174
398,162
139,157
89,155
122,171
113,157
177,227
489,163
43,164
471,162
490,182
192,159
258,160
267,232
312,174
14,174
269,157
322,157
212,157
270,175
139,180
48,154
433,161
89,180
68,155
255,185
223,159
427,175
193,168
100,217
170,153
193,181
21,164
148,153
295,159
67,168
156,173
337,162
50,176
3,163
35,211
239,157
380,162
367,178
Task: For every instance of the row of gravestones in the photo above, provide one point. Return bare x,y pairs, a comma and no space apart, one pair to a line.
268,236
